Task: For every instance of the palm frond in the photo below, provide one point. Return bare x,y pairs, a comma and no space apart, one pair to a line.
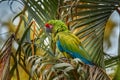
5,55
111,61
87,19
64,69
41,10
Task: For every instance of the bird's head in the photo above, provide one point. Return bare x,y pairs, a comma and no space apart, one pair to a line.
55,26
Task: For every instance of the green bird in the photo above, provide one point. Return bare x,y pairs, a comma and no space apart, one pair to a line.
67,42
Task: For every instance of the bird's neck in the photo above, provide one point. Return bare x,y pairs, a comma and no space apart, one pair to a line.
54,35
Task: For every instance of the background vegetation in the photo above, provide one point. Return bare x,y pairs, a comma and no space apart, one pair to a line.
27,53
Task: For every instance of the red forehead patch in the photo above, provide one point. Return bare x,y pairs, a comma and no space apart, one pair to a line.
48,25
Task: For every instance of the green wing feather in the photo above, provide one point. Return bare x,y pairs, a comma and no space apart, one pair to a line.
72,43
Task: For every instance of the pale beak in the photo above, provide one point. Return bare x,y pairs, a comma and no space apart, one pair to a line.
48,30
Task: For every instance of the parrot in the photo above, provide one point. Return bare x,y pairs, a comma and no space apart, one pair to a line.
66,41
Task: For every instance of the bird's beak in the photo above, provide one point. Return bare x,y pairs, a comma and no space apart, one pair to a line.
48,30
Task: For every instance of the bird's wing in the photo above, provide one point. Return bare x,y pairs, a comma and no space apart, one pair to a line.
71,44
